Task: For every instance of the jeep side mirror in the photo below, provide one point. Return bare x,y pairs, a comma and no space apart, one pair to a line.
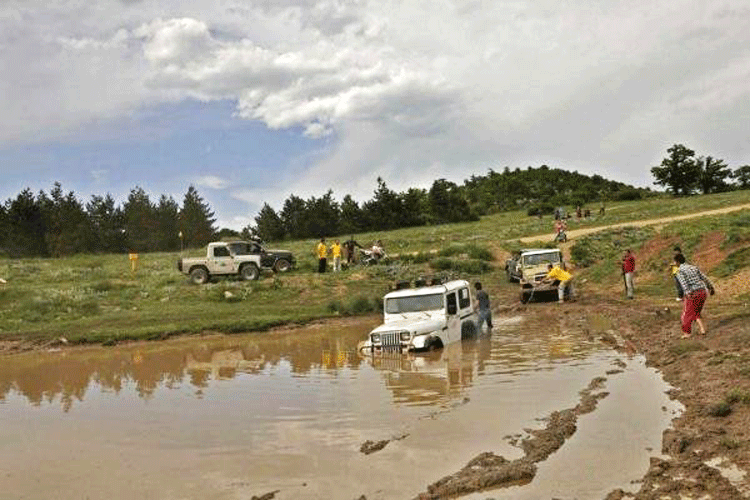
452,309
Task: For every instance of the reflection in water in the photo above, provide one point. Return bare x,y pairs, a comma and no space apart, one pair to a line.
43,377
233,417
414,378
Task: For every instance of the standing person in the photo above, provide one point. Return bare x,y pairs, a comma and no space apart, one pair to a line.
483,305
695,286
350,247
322,251
336,254
555,273
628,269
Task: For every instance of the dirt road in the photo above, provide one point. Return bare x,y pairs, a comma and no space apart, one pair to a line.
639,223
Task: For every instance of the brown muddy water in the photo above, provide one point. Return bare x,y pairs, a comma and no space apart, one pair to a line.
287,412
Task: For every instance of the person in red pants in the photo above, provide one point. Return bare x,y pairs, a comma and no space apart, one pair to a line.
696,287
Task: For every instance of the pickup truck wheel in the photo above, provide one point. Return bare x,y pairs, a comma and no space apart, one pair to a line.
282,266
249,272
199,275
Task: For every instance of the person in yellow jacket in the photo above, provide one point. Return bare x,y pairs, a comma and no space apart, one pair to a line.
336,254
555,273
322,251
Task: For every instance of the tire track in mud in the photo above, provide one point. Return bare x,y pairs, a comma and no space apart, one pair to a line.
488,471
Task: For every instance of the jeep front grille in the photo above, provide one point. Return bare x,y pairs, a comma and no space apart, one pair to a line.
390,339
540,276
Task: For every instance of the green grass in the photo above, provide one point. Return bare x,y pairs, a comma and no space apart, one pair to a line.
96,298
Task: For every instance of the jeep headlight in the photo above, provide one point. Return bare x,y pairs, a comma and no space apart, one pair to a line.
375,338
405,336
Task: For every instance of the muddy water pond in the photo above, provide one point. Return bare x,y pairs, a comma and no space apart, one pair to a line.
288,412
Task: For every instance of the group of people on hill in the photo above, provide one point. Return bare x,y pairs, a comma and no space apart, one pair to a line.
322,251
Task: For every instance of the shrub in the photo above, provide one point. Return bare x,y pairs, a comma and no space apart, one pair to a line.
361,305
581,253
460,266
479,253
450,251
629,194
721,409
737,396
335,306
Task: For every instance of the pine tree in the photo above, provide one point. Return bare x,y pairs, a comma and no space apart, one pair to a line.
25,226
196,220
107,224
166,217
138,215
268,225
67,226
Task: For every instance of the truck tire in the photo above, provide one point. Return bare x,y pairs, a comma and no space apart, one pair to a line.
199,275
525,297
282,266
434,344
249,272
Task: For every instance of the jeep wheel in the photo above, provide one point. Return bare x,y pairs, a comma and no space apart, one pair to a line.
434,344
199,275
249,272
525,297
282,266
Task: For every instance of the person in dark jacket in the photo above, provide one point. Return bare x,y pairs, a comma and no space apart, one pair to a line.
483,306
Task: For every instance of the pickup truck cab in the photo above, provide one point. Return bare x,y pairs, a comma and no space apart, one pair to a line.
424,318
222,259
529,267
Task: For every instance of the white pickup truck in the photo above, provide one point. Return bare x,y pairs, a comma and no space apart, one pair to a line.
222,259
424,318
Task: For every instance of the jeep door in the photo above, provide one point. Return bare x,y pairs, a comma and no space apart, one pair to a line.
452,319
221,261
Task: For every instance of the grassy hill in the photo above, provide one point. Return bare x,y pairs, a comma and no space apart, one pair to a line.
96,298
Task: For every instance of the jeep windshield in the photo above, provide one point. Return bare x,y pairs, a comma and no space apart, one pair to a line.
414,303
541,258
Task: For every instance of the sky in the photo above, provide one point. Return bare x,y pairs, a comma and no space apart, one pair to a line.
251,101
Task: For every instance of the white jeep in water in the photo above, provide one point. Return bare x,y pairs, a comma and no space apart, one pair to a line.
424,318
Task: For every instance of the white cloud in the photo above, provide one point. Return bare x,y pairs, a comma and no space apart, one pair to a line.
409,90
212,181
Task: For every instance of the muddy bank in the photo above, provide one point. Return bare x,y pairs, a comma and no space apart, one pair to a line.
711,378
487,470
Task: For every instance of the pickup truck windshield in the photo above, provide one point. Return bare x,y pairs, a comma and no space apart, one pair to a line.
415,303
541,258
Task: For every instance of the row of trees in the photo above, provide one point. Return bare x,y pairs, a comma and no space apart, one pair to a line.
684,174
58,223
444,202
